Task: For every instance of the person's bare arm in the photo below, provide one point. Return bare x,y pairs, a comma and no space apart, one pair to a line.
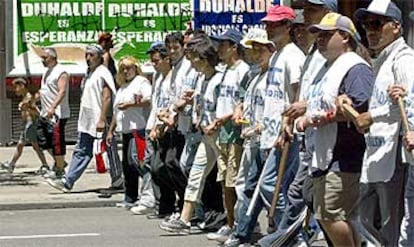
106,101
63,82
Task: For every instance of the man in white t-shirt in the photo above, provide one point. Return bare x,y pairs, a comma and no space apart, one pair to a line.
282,83
54,100
230,143
98,89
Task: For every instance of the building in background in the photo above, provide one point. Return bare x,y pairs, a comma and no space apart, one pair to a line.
68,25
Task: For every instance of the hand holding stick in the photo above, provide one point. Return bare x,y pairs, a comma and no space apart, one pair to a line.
404,118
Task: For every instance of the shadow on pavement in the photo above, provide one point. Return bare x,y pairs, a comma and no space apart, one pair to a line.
20,179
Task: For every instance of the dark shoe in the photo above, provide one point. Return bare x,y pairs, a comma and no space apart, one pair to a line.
157,216
176,226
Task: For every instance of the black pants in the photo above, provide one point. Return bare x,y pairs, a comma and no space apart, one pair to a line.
131,174
166,171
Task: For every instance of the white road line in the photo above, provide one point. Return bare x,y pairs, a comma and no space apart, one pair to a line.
50,236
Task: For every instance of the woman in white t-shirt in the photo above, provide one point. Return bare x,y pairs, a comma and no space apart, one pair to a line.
129,118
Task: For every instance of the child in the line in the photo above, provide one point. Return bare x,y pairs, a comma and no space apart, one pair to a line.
30,116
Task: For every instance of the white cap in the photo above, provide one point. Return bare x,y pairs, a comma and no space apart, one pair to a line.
257,35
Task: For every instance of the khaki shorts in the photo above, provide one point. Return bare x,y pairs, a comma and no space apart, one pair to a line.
228,163
336,196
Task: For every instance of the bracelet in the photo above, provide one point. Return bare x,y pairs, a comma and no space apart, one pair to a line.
329,116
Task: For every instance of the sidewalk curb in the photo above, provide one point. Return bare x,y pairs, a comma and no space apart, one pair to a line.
58,205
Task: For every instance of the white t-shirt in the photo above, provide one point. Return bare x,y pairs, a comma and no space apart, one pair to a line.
253,104
178,78
165,96
230,88
91,100
189,83
133,118
316,61
285,68
208,100
49,91
156,82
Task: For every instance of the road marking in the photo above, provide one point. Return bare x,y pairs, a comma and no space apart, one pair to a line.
50,236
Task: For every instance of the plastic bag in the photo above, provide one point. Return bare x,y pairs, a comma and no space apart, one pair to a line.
100,152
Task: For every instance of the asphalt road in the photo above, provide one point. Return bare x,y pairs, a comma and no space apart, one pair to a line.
87,227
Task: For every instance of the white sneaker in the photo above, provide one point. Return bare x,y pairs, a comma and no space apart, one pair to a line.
173,216
141,210
8,166
124,204
221,235
59,184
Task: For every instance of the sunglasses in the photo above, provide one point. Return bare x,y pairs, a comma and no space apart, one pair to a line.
374,24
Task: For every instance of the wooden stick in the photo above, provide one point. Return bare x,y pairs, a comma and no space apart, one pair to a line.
280,174
350,111
404,119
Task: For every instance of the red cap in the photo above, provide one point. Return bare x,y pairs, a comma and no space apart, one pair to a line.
278,13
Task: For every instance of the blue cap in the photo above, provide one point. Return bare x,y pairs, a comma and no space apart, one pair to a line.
154,45
381,8
412,15
329,4
231,34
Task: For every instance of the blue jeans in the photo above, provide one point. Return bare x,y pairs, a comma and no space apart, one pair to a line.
81,157
407,226
192,140
246,223
248,157
295,207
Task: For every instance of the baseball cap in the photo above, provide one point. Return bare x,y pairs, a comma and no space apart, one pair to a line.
412,15
154,45
231,34
330,4
255,35
335,21
278,13
385,8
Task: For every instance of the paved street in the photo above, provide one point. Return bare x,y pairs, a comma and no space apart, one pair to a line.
34,214
87,227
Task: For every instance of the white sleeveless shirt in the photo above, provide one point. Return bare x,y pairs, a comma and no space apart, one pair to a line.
49,91
91,100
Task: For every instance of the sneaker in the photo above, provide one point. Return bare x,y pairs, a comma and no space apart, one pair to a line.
173,216
8,166
124,204
54,174
59,184
232,241
221,235
176,226
157,216
43,169
141,210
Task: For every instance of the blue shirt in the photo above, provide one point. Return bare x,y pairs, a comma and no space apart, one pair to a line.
350,145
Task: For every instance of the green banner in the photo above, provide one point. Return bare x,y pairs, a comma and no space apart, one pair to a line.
73,23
